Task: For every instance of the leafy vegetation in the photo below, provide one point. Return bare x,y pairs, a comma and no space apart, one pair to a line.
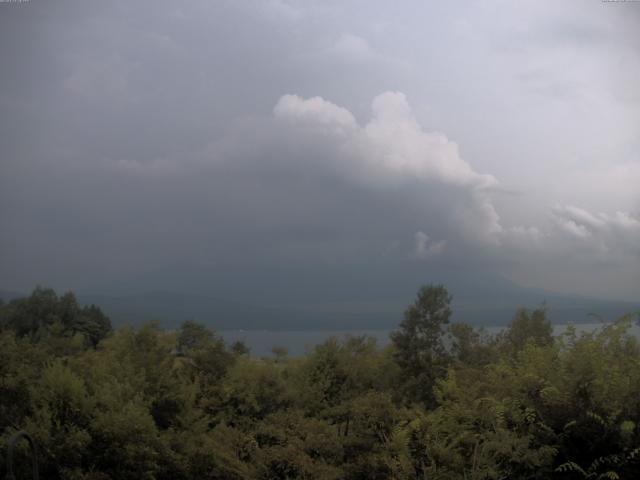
441,401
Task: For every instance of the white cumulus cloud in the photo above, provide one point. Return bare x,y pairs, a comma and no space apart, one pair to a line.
392,145
617,233
315,111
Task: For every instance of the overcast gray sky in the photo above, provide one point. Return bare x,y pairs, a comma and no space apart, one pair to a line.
241,148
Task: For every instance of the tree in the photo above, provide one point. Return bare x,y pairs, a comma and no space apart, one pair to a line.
27,316
521,404
470,346
532,327
239,348
44,314
205,353
193,336
93,324
420,350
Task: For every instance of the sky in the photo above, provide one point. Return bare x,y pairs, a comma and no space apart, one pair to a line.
319,151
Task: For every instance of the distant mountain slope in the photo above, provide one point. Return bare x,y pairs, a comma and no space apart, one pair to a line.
173,308
492,305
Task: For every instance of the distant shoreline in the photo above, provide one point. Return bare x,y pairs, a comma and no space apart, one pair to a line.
297,342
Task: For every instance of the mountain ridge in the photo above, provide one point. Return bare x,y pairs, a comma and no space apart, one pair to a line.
171,308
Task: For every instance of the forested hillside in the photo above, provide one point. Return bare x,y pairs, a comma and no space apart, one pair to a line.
442,401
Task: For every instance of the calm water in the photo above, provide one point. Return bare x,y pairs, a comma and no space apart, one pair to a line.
298,342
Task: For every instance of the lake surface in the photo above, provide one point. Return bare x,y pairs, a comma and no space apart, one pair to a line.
260,342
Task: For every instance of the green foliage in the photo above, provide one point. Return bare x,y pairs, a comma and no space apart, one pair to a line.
420,350
192,337
44,314
529,327
152,404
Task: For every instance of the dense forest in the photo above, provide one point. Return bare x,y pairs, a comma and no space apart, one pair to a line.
442,401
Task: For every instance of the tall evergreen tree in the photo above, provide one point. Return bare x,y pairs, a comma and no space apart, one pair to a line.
420,350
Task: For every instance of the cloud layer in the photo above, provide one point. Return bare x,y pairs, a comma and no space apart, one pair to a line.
225,143
392,151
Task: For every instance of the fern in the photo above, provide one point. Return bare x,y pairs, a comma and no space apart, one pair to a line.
610,475
571,467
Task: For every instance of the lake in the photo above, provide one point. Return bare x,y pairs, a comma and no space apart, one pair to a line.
260,342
